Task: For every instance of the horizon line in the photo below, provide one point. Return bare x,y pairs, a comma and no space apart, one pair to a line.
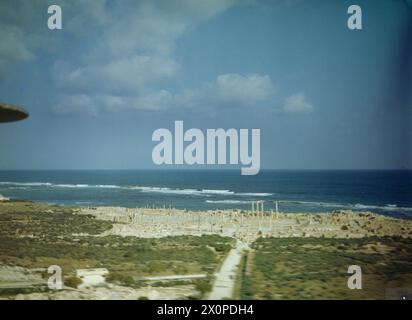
217,169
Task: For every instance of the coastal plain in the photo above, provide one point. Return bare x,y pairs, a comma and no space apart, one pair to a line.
166,253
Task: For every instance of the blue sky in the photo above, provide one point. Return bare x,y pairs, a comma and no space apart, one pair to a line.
324,97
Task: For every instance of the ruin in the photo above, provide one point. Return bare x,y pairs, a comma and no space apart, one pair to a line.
92,277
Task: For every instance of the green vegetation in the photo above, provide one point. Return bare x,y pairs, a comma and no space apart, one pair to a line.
244,288
73,282
203,286
37,235
24,218
314,268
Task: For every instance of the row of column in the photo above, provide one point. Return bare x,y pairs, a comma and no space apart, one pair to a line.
257,206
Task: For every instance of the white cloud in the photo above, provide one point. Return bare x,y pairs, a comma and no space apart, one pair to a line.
135,46
93,104
123,75
134,51
154,26
125,53
75,105
159,100
109,37
243,89
13,47
297,103
20,33
80,15
232,89
228,90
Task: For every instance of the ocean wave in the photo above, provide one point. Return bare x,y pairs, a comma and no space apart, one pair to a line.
197,192
87,202
314,203
228,201
71,185
14,188
254,194
357,206
387,207
219,192
165,190
194,192
202,192
28,184
219,195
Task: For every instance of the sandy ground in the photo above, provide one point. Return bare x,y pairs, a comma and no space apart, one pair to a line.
18,277
225,281
114,292
246,225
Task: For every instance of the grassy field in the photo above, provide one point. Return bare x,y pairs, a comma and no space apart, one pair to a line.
316,268
38,235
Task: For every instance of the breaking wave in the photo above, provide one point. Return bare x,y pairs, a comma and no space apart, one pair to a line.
387,207
28,184
357,206
219,195
257,194
228,201
165,190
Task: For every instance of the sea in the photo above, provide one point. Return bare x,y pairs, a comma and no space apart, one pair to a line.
386,192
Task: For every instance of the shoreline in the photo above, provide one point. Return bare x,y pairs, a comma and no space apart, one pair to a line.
390,211
241,224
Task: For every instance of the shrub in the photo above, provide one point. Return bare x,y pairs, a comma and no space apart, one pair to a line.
73,282
203,286
121,279
221,247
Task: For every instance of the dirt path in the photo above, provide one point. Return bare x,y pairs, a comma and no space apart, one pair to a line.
224,285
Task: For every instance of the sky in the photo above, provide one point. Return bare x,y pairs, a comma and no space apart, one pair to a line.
323,96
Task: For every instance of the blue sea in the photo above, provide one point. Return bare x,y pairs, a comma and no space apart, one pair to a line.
385,192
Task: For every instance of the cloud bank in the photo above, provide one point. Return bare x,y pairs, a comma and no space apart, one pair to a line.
125,55
297,103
